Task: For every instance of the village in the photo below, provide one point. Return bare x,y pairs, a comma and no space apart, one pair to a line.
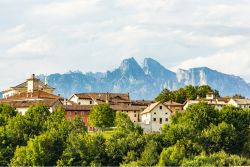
149,114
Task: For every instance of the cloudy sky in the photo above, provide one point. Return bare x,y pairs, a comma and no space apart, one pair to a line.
49,36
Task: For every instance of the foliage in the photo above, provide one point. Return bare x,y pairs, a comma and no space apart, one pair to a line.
189,92
221,137
102,116
200,136
6,112
174,155
216,159
83,150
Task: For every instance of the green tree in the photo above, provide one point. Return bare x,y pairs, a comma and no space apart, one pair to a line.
216,159
84,150
149,156
191,92
123,122
102,116
36,117
40,151
240,119
6,112
221,137
165,95
174,155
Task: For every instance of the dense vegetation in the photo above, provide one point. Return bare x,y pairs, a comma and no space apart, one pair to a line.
189,92
200,136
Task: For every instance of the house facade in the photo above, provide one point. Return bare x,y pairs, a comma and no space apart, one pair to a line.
155,116
242,103
30,93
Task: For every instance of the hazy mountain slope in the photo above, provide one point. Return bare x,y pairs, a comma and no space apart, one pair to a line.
146,81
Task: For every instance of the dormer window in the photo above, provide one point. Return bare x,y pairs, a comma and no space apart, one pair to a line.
160,107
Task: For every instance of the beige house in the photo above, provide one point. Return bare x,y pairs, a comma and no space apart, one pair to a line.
120,102
242,103
29,85
32,92
154,116
218,103
174,106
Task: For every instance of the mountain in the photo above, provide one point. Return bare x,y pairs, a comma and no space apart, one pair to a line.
145,81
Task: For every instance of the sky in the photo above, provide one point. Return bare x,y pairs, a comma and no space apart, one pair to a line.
55,36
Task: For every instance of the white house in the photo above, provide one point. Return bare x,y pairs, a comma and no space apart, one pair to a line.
242,103
154,116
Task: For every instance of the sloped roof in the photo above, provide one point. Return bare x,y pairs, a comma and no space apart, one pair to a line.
126,108
39,94
102,97
151,107
28,103
172,103
242,101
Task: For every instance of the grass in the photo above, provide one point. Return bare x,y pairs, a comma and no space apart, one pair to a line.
107,133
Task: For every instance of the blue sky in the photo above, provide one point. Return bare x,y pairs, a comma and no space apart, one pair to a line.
49,36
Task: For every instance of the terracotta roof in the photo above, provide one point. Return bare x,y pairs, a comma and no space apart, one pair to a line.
172,103
36,94
77,107
141,102
242,101
102,97
28,103
126,108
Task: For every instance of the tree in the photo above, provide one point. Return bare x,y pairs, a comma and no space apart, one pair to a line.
221,137
165,95
102,116
216,159
6,112
123,122
149,156
40,151
84,150
174,155
36,117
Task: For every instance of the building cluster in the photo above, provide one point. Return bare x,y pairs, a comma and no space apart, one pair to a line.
149,115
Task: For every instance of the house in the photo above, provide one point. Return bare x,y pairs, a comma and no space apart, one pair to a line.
242,103
154,116
119,102
29,85
218,103
174,106
99,98
29,93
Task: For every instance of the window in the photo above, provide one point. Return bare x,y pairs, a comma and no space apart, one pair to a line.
154,112
160,120
76,114
154,119
134,111
166,119
69,113
166,113
127,111
82,113
160,107
90,102
134,115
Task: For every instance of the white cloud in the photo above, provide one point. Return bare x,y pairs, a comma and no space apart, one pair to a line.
75,34
39,45
65,8
235,62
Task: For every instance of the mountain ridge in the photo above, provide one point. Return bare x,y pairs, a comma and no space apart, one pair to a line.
145,81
